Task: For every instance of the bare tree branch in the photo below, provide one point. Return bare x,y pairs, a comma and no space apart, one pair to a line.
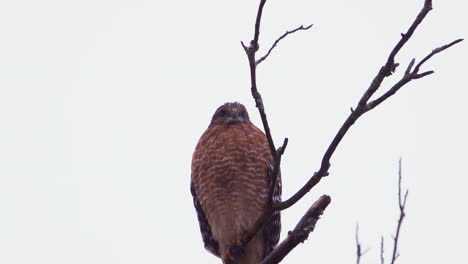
401,205
410,75
279,39
363,105
359,252
435,51
300,232
251,51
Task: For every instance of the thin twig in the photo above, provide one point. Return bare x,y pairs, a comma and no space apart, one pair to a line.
358,246
434,52
382,250
300,233
279,39
401,205
359,252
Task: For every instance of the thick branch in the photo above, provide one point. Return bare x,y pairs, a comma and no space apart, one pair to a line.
300,233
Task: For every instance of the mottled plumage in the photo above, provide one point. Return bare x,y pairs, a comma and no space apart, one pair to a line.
231,179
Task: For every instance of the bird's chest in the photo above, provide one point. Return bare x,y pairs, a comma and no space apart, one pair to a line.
231,169
235,163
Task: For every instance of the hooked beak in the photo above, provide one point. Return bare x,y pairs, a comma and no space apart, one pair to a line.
234,116
235,113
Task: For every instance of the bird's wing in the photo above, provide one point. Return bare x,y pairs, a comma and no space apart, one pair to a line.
210,243
272,228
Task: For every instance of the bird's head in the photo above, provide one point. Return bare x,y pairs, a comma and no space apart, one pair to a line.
229,114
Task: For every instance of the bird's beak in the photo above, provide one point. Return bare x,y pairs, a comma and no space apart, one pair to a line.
235,113
234,117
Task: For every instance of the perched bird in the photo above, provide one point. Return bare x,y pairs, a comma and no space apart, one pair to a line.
232,169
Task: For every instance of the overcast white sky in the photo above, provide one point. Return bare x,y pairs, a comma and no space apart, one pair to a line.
102,103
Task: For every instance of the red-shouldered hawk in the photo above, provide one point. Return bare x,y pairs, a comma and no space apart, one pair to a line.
232,170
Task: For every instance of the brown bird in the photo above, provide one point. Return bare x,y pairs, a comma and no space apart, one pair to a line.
232,170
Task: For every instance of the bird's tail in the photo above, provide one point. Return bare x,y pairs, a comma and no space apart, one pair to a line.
252,253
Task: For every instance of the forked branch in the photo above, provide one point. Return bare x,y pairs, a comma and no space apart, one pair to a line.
364,105
401,205
410,74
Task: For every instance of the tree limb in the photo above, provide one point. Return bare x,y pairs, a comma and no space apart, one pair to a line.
300,232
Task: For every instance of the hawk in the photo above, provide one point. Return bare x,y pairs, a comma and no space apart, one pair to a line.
232,169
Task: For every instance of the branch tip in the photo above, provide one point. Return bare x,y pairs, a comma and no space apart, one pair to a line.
301,27
281,149
410,66
420,75
243,46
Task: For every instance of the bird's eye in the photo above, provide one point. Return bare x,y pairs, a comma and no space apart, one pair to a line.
222,113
